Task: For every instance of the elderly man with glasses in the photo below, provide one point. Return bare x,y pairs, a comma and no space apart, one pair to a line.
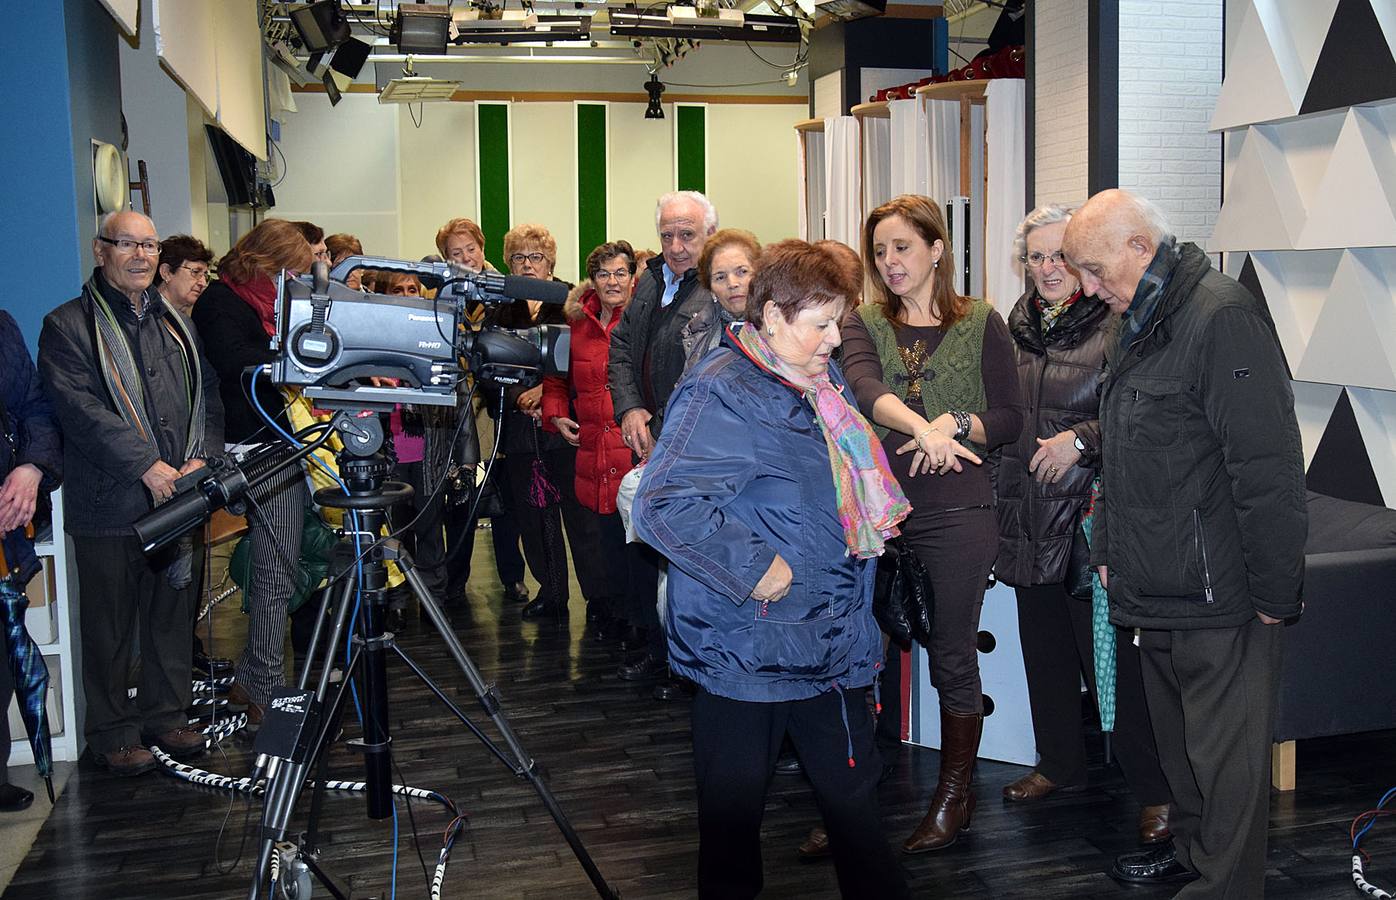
138,406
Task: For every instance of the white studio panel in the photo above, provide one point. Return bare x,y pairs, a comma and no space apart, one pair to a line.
1375,412
828,95
1008,733
1353,205
1280,44
1003,207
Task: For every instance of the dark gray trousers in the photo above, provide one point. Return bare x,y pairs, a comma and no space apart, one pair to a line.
1058,648
125,597
1212,703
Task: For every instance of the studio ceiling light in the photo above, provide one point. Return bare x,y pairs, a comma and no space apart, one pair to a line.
418,89
654,87
421,28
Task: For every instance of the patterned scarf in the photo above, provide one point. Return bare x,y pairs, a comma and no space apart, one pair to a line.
870,501
123,378
1052,312
1149,292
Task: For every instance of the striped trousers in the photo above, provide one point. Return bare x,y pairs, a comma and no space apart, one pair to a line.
275,520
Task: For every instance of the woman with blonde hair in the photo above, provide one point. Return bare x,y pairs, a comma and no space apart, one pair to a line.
935,372
236,319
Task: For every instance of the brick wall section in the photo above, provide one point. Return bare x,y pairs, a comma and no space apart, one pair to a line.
1061,140
1170,73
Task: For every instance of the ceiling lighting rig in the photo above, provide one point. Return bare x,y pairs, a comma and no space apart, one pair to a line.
702,23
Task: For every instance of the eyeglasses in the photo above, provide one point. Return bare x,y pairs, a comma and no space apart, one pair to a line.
199,273
128,246
1035,260
535,258
617,275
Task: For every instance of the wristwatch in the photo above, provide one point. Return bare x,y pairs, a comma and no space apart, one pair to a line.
1080,444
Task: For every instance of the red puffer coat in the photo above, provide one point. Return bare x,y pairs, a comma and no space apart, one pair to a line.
602,457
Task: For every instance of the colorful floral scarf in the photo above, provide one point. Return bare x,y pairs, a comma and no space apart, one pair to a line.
870,501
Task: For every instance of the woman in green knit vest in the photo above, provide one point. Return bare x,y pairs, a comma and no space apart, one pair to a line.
935,373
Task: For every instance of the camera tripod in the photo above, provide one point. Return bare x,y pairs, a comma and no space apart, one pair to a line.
309,721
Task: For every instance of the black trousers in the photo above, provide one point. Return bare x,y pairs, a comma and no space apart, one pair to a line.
426,539
957,547
634,569
735,745
1058,649
541,529
125,596
1212,696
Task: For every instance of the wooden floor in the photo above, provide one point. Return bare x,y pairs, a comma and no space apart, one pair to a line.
620,765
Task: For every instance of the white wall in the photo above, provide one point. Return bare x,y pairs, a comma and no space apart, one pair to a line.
366,169
1061,134
1170,73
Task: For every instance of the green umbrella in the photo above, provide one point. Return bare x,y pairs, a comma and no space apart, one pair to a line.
1102,632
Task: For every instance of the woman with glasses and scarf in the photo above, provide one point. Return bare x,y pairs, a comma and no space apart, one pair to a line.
1044,485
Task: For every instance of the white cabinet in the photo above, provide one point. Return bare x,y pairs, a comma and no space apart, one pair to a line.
52,622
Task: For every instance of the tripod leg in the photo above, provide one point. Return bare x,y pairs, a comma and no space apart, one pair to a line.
490,703
284,786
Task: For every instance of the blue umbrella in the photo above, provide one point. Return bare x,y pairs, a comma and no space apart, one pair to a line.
17,565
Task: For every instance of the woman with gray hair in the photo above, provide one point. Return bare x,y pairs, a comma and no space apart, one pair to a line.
1044,485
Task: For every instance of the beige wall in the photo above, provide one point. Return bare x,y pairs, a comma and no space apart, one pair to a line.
366,169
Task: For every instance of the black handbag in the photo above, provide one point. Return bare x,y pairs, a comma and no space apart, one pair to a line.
1078,567
903,599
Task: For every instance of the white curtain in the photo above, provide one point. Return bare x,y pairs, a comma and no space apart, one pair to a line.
843,179
802,195
877,163
1007,194
943,148
815,202
910,162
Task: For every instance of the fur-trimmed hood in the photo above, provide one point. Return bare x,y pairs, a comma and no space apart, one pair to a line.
576,305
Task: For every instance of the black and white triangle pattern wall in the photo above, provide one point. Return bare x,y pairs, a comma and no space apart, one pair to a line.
1308,219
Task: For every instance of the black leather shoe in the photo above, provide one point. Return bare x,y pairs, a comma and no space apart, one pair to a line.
1157,866
789,764
672,689
543,608
516,592
211,666
395,621
14,799
643,669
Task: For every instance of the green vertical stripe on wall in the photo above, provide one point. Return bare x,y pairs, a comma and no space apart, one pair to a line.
492,142
591,180
692,147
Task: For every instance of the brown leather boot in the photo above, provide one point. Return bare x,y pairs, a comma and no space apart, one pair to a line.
952,806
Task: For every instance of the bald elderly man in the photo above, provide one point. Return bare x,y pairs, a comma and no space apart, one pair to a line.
1200,536
138,406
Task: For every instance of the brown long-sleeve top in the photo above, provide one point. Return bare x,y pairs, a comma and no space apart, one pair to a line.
1002,419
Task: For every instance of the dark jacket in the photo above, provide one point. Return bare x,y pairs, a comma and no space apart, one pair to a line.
647,355
26,415
28,434
1203,520
740,474
602,457
1059,375
104,457
522,435
235,340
